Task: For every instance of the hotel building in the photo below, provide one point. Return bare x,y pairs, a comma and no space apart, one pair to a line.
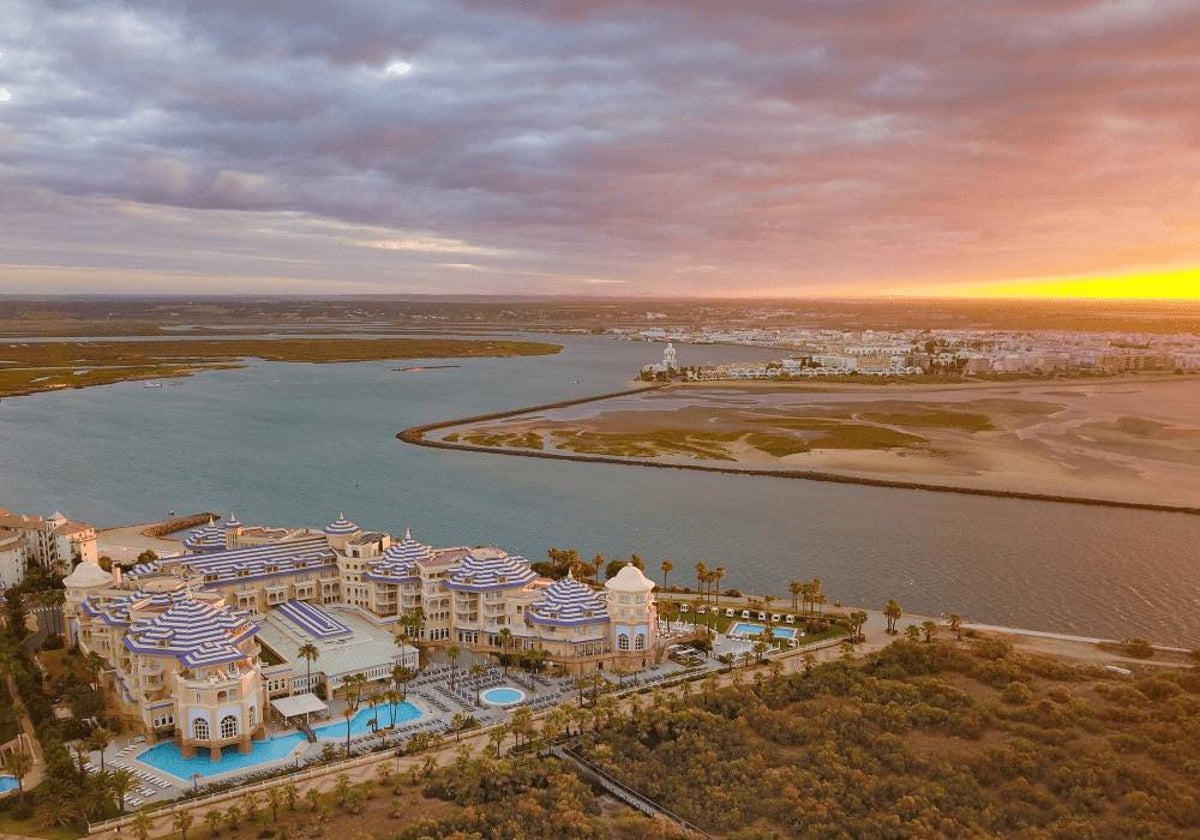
199,644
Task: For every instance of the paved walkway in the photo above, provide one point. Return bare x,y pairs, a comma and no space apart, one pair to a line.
124,545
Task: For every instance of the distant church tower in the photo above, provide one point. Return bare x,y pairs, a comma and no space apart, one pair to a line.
669,361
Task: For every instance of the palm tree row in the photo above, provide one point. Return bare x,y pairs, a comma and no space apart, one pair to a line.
708,581
807,595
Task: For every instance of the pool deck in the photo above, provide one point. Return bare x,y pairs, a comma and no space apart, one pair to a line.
434,693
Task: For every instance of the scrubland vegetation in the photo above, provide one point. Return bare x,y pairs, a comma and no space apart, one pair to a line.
924,740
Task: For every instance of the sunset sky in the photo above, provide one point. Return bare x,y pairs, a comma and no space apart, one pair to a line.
674,147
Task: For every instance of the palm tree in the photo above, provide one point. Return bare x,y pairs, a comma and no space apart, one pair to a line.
929,628
212,819
496,738
795,587
392,697
718,575
250,804
233,816
354,685
810,662
342,786
912,633
521,724
348,714
182,822
313,797
401,675
290,792
309,653
477,671
820,600
667,568
452,653
100,739
373,700
274,800
956,623
857,619
537,658
18,765
506,640
412,621
892,612
701,576
141,825
121,783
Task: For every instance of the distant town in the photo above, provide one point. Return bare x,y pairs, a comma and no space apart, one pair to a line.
810,352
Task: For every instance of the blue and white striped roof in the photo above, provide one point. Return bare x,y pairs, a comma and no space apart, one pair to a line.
490,569
261,561
232,522
399,562
116,612
341,527
198,634
211,537
143,570
313,620
568,602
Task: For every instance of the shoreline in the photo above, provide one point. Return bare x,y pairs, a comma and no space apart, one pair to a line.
416,435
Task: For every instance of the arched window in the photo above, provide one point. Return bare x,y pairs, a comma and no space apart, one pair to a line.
229,726
200,729
639,641
623,641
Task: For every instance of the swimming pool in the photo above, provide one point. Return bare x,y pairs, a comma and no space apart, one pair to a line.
8,783
360,724
503,696
749,628
167,758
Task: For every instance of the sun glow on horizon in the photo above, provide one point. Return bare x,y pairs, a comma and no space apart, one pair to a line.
1169,284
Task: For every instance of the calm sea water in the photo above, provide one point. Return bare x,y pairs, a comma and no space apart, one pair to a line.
296,443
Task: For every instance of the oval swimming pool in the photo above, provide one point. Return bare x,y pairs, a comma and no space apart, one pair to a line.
503,696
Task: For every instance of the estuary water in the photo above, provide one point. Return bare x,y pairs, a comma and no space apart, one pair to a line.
295,444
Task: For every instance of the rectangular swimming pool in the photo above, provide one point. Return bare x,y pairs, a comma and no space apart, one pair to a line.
746,629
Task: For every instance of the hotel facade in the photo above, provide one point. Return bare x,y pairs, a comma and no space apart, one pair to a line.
186,637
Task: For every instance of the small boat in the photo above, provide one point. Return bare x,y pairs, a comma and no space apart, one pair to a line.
151,384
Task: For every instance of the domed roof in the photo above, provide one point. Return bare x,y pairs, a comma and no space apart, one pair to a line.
87,576
211,537
630,579
408,550
341,527
491,569
399,562
233,521
567,602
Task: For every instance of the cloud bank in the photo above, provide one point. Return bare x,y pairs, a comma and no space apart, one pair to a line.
569,146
